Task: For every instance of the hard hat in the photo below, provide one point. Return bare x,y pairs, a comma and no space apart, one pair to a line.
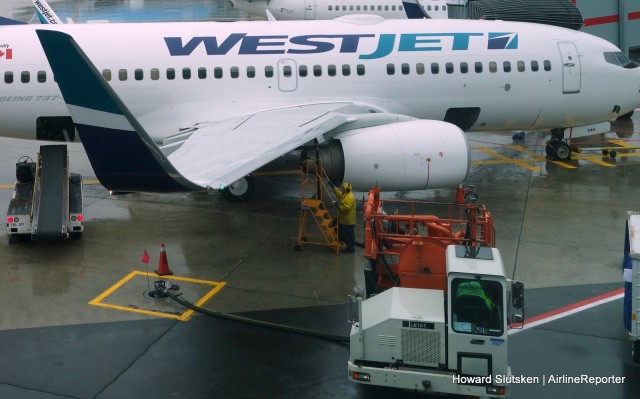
346,186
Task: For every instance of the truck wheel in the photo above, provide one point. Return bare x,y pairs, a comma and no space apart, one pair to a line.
635,351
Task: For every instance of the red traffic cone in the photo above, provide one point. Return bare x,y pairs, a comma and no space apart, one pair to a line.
460,194
163,264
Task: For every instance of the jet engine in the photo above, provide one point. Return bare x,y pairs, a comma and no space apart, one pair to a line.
412,155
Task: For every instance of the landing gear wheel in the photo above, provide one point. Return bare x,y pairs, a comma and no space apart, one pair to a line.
563,151
240,190
635,351
612,154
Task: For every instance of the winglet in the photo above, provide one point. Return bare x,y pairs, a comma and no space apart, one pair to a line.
45,13
414,10
122,154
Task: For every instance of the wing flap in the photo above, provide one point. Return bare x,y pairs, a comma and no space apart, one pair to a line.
221,153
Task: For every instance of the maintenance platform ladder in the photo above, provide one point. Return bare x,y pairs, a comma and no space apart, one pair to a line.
316,218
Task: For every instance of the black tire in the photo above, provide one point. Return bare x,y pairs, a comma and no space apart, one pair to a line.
635,351
612,154
241,190
562,151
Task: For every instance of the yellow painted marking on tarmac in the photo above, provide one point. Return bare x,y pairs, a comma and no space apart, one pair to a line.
185,316
540,158
504,159
591,158
6,186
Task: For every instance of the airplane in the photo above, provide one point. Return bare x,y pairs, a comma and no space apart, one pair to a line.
201,105
283,10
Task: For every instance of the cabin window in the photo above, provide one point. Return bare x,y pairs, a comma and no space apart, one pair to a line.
420,68
379,8
346,70
106,74
268,71
186,73
235,72
405,69
400,8
365,8
303,71
436,8
287,71
317,70
155,74
218,72
122,75
330,8
391,69
331,70
478,67
435,68
344,8
547,65
493,67
386,8
464,67
25,77
360,69
202,73
521,67
448,67
8,77
251,72
171,73
534,66
138,74
444,8
350,8
357,8
42,76
428,8
393,8
506,66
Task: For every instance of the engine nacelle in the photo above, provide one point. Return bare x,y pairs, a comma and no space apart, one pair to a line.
402,156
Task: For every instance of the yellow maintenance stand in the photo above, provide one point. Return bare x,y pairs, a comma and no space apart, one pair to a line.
318,221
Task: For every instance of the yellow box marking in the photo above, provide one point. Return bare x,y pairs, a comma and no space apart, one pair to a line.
217,286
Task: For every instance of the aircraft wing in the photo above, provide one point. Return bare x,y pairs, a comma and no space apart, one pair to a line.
212,155
218,154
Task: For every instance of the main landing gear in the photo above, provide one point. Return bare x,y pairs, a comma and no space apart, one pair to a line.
239,190
556,147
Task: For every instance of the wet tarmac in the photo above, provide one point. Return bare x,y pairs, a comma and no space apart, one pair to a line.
77,321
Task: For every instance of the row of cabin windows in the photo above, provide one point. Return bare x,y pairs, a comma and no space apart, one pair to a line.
366,8
303,71
464,67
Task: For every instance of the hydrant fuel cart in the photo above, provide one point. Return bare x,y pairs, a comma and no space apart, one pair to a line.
439,319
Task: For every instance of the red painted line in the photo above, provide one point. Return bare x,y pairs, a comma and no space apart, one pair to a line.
602,20
574,306
634,15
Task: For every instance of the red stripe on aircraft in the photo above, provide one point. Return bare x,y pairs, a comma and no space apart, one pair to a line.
634,15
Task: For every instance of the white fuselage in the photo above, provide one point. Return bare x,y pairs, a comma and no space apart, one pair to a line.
174,75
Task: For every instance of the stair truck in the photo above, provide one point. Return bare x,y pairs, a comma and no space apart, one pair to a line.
46,203
631,274
435,317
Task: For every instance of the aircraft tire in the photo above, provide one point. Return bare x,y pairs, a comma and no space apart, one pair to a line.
562,151
240,190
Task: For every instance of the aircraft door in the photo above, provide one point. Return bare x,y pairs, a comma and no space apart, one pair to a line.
310,9
287,75
570,67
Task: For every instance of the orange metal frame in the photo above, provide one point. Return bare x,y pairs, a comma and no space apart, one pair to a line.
408,249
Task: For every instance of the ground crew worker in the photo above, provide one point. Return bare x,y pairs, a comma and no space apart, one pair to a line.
346,216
